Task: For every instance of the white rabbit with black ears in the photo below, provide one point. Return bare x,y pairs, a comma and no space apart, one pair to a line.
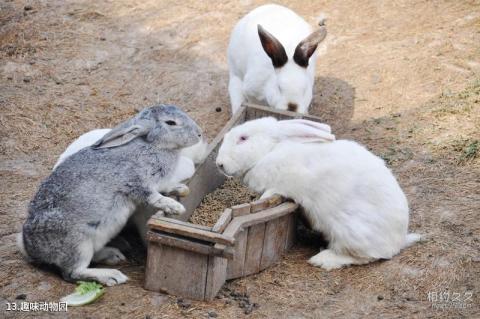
271,59
347,192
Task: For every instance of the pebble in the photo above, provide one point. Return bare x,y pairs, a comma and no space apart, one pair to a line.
21,297
183,303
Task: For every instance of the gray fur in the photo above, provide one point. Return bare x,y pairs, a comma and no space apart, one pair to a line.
88,198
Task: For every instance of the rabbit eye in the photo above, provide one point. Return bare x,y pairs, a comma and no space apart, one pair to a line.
171,123
242,138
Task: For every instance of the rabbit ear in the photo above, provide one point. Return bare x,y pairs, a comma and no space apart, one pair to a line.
122,134
307,46
273,48
320,126
304,131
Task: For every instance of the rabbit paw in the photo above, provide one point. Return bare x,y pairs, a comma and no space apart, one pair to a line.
111,277
170,206
328,260
181,190
109,256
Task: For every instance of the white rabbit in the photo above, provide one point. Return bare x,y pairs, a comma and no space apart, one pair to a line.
347,192
271,59
184,169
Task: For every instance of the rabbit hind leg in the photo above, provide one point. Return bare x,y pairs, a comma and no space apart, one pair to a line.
328,259
79,270
235,89
109,256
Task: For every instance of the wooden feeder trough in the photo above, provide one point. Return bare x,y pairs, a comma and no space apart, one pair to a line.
194,261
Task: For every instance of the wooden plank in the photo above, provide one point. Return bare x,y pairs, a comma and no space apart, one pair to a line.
207,177
186,244
292,227
216,276
160,216
240,210
274,242
240,222
254,249
235,265
223,221
265,203
261,111
176,271
173,228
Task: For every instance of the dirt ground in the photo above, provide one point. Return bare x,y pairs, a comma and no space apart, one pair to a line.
402,77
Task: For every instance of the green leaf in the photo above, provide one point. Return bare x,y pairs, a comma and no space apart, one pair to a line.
85,293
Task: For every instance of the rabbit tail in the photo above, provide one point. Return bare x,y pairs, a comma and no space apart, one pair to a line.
411,239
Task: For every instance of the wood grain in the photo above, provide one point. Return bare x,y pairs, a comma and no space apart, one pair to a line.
240,210
190,245
235,265
245,221
167,226
216,276
265,203
176,271
253,254
274,242
223,221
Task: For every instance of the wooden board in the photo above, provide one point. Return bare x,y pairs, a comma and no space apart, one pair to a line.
240,210
241,222
216,276
235,265
292,225
161,217
185,229
189,244
256,111
223,221
254,249
274,242
176,271
265,203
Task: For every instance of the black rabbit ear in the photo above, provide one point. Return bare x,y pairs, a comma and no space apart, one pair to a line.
273,48
121,135
307,46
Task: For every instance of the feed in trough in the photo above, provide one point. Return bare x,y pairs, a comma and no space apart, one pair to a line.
232,192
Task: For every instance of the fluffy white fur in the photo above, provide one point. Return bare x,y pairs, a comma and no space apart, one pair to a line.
347,192
252,75
185,169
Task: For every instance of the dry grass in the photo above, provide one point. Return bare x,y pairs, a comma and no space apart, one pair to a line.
399,77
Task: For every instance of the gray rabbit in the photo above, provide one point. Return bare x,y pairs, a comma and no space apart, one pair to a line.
88,198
